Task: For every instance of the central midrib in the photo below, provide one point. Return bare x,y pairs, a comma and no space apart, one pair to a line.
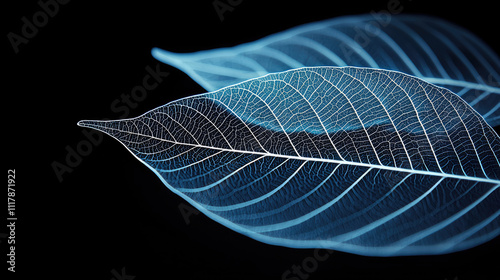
383,167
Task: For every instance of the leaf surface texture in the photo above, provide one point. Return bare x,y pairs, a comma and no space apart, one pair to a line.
429,48
372,162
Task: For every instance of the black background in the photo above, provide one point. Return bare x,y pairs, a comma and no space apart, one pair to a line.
111,212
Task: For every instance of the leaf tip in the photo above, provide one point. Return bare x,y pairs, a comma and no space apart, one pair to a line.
165,56
82,123
113,128
97,125
85,123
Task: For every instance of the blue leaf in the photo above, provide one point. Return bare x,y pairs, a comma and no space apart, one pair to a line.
425,47
372,162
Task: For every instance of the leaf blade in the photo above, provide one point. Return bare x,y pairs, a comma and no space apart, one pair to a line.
426,47
254,182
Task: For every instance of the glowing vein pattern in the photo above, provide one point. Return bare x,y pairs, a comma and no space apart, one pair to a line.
372,162
426,47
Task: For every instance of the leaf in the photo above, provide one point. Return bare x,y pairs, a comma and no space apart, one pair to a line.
372,162
426,47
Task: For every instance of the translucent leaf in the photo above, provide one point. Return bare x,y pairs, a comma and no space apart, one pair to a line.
372,162
429,48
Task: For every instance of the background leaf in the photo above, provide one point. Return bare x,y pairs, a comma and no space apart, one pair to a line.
367,161
432,49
